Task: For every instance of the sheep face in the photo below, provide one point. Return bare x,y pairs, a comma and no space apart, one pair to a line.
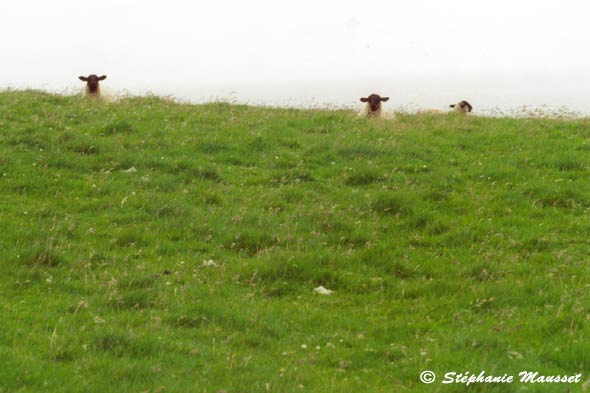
92,82
462,107
374,102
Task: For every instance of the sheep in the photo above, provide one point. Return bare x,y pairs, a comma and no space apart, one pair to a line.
461,107
373,107
93,85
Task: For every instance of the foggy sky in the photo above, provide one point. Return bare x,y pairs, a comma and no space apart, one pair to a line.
421,52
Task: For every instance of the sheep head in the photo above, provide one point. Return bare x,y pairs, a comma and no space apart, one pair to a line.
92,82
462,107
374,101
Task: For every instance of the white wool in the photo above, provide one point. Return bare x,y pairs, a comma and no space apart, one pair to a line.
458,109
367,112
102,94
430,112
387,115
378,114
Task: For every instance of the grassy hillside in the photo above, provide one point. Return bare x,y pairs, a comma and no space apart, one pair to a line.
153,246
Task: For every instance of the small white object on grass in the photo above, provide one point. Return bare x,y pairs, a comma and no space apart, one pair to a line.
323,291
209,263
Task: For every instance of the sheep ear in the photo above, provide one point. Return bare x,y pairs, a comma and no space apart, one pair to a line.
101,78
364,99
83,78
384,99
452,106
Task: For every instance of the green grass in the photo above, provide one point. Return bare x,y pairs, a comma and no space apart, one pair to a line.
451,244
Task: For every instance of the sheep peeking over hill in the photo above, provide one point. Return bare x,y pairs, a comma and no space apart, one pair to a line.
92,85
373,107
461,107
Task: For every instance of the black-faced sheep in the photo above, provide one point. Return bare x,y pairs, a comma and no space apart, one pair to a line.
373,107
93,85
461,107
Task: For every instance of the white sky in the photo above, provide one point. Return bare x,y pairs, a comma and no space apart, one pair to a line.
419,52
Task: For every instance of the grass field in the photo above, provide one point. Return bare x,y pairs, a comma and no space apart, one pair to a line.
150,246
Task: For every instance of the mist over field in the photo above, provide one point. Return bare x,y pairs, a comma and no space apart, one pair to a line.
493,94
422,53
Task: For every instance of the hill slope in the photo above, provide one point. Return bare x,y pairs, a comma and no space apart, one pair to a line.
153,246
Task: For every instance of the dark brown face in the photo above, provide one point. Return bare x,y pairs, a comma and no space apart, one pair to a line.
464,106
374,101
92,81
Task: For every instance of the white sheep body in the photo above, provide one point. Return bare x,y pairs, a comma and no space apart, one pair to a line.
378,114
430,112
103,94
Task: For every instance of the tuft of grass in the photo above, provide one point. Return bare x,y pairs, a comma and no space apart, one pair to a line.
395,204
44,259
119,127
363,178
